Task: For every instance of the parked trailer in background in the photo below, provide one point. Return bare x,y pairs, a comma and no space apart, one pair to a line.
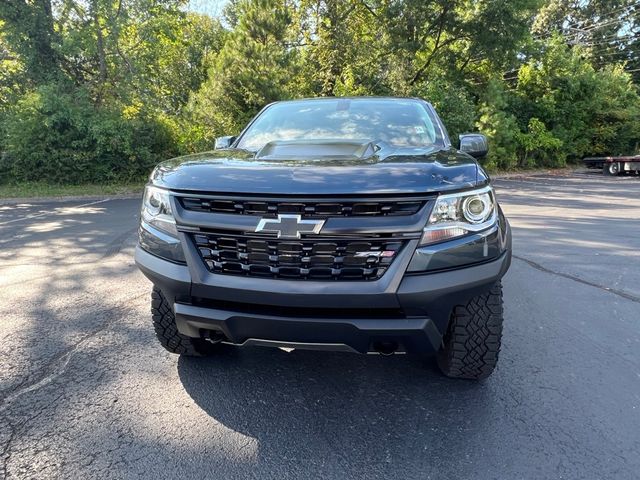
614,165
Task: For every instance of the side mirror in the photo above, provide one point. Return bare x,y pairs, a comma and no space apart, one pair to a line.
224,142
475,144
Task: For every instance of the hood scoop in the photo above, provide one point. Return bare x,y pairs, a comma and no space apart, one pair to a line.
341,150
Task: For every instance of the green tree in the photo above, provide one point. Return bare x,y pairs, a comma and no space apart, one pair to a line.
12,80
11,77
175,59
331,42
254,67
29,28
579,104
457,38
501,127
454,105
98,90
607,30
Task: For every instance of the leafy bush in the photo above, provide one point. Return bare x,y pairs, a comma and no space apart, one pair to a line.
590,112
60,137
538,146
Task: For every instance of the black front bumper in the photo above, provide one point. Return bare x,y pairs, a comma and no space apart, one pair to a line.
342,334
410,310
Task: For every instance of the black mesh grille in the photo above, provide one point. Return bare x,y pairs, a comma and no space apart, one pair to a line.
313,259
308,209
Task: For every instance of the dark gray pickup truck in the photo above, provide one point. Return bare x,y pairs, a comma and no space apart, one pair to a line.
346,224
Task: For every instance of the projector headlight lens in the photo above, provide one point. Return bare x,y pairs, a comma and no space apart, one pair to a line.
477,209
458,214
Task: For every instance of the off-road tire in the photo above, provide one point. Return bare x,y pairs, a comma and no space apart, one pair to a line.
164,323
611,169
472,341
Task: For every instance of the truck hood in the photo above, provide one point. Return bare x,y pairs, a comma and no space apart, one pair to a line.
388,171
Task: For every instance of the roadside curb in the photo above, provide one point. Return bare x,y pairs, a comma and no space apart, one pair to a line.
548,171
67,198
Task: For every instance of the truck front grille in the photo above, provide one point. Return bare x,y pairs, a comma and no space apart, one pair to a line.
316,209
308,259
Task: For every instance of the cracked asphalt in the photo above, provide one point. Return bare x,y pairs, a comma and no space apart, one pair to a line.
86,391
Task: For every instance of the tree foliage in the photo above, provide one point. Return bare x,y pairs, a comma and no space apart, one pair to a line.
57,135
99,90
252,69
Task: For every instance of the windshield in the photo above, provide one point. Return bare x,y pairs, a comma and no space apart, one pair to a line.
399,122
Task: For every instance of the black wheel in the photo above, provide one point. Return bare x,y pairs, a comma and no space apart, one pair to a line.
164,323
472,342
611,169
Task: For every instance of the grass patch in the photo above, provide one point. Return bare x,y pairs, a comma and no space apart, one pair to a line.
34,190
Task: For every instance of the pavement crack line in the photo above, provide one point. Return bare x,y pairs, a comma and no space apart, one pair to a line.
615,291
57,365
49,372
15,430
6,450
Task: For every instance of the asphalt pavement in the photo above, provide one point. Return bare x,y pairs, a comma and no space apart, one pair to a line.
87,392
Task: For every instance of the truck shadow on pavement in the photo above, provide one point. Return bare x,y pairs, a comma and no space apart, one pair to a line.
361,415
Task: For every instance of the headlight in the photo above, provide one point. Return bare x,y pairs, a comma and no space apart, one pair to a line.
158,234
457,214
156,210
